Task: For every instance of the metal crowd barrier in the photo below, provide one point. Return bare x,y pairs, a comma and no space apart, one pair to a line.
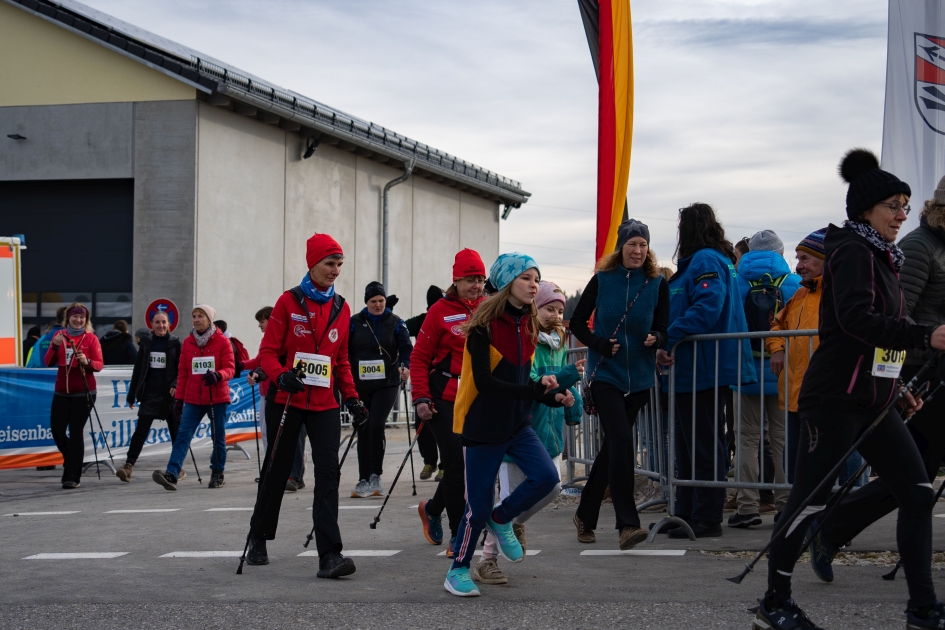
721,481
651,460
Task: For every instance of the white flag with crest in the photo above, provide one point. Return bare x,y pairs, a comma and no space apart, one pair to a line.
914,121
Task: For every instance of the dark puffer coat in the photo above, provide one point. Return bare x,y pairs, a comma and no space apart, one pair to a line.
923,280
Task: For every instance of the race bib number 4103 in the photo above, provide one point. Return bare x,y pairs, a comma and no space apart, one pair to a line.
316,368
888,363
202,365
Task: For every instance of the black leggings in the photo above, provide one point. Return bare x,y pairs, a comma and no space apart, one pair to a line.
826,434
70,412
143,429
426,443
614,462
324,432
371,441
451,490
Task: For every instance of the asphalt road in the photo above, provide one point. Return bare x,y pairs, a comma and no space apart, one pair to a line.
143,582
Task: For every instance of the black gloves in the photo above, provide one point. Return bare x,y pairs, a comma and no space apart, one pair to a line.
289,382
358,411
259,375
178,408
212,378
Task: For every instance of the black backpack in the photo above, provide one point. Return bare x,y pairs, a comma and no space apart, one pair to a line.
762,304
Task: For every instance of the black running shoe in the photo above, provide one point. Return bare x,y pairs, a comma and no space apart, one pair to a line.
334,565
787,616
742,521
702,529
933,617
216,480
165,479
822,553
257,553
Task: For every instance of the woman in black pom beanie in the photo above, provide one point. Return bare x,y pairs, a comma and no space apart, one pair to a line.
851,376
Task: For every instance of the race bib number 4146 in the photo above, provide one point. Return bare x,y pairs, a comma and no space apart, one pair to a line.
316,368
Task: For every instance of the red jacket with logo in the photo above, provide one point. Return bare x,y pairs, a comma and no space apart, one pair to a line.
437,359
190,387
312,330
69,377
251,364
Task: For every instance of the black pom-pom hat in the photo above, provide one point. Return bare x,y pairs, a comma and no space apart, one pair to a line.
869,184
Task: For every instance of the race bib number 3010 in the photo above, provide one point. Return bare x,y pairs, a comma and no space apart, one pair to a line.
202,365
888,363
316,368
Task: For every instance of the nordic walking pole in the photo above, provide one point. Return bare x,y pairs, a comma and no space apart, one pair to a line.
397,476
88,401
413,474
299,372
256,425
785,523
195,465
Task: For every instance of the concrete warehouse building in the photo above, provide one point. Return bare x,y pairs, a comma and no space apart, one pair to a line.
138,169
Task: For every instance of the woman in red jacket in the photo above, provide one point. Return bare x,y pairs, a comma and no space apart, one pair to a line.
206,364
309,325
77,353
435,365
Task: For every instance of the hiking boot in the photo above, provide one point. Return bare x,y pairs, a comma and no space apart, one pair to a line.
730,506
334,565
488,572
630,537
519,531
182,475
216,480
743,521
124,473
257,553
702,529
375,487
299,483
766,508
362,490
439,475
165,479
787,616
432,526
584,535
449,550
70,485
291,485
822,553
932,617
507,543
427,471
460,584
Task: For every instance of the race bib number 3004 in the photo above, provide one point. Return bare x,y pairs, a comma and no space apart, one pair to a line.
888,363
371,370
202,365
316,368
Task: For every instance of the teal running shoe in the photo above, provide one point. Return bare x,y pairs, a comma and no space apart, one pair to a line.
459,583
509,547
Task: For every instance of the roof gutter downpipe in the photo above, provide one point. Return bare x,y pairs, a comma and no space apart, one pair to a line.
386,202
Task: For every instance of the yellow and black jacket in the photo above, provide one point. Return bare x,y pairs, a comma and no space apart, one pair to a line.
495,387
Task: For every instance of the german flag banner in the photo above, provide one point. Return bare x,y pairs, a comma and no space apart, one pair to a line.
609,35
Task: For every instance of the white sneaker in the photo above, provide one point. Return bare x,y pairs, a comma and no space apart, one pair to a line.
362,490
376,489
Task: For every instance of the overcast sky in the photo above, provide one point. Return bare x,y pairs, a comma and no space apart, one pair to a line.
747,105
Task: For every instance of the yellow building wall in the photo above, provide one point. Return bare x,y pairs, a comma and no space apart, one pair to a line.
44,64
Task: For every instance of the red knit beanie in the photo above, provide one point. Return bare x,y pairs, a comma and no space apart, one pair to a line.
468,263
320,247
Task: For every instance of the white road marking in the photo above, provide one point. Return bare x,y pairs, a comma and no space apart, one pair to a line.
142,511
478,552
634,552
355,507
414,507
40,513
89,555
203,554
935,515
360,553
229,510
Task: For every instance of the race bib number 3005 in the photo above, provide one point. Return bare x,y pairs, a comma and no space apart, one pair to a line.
316,368
888,363
202,365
